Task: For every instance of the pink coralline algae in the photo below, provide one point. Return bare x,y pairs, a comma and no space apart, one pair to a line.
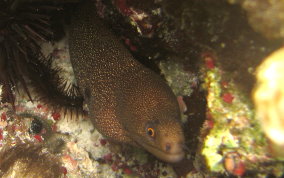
56,116
103,142
228,98
3,116
209,60
1,134
38,137
64,170
123,7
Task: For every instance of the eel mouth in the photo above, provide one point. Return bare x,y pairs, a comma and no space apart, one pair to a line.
162,155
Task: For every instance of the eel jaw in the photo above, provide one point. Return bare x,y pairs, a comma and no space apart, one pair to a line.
170,157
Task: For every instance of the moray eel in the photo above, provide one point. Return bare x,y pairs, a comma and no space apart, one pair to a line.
127,102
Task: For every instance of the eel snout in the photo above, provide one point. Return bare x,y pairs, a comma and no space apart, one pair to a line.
170,141
172,149
168,152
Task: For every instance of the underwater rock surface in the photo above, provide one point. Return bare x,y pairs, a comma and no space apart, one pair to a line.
265,16
208,51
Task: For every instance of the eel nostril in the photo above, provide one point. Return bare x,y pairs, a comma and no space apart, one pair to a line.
168,147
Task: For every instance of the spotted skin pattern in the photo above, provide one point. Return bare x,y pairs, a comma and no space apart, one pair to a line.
124,98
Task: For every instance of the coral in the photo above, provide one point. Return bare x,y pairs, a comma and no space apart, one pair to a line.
268,99
265,16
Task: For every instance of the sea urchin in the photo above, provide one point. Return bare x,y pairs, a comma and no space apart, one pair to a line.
23,27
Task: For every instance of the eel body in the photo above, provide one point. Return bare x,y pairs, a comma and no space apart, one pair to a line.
127,102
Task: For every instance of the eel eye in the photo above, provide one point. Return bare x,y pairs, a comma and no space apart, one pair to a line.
151,132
